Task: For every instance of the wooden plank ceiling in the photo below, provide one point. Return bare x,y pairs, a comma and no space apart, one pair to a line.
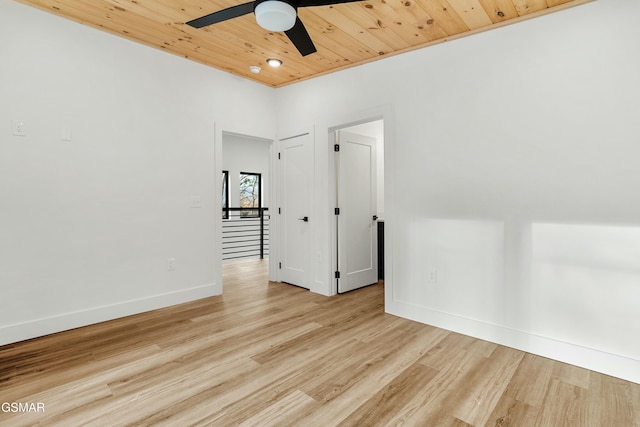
345,35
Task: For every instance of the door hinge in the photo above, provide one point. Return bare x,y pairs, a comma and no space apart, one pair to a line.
278,156
279,212
336,147
279,266
337,274
337,211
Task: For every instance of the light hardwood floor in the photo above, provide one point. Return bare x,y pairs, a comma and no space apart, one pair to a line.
271,354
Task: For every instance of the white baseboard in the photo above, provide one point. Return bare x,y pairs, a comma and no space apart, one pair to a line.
49,325
615,365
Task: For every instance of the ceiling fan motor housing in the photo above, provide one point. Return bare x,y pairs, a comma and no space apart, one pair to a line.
275,15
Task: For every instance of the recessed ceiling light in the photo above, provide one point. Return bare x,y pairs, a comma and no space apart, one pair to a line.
254,69
274,62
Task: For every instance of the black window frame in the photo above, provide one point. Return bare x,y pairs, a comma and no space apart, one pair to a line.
251,212
225,194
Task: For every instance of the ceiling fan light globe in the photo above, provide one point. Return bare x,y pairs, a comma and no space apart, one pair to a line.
275,15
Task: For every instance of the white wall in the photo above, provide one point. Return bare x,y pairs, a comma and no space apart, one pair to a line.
511,172
87,225
246,154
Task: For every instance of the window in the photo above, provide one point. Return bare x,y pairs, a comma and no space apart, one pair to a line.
225,194
250,194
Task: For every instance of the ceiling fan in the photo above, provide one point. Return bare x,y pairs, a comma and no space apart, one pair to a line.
272,15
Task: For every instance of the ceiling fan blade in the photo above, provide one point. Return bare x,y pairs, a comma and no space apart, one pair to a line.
222,15
300,38
309,3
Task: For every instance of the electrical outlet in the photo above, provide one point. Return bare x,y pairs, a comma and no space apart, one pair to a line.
65,133
171,264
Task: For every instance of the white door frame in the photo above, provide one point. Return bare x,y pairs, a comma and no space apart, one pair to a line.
220,131
384,113
333,131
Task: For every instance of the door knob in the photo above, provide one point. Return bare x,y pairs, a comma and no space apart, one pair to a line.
304,218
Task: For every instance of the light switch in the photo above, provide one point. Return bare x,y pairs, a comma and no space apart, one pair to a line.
18,128
196,202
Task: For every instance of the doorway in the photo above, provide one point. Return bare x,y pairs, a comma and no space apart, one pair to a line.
246,191
359,196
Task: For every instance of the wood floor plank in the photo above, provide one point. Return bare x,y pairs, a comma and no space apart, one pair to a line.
531,380
570,374
435,403
272,354
375,358
609,401
635,404
283,412
57,401
70,374
382,406
453,422
565,405
455,344
512,413
486,385
382,368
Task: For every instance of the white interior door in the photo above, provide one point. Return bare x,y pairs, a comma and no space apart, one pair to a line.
357,226
296,166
